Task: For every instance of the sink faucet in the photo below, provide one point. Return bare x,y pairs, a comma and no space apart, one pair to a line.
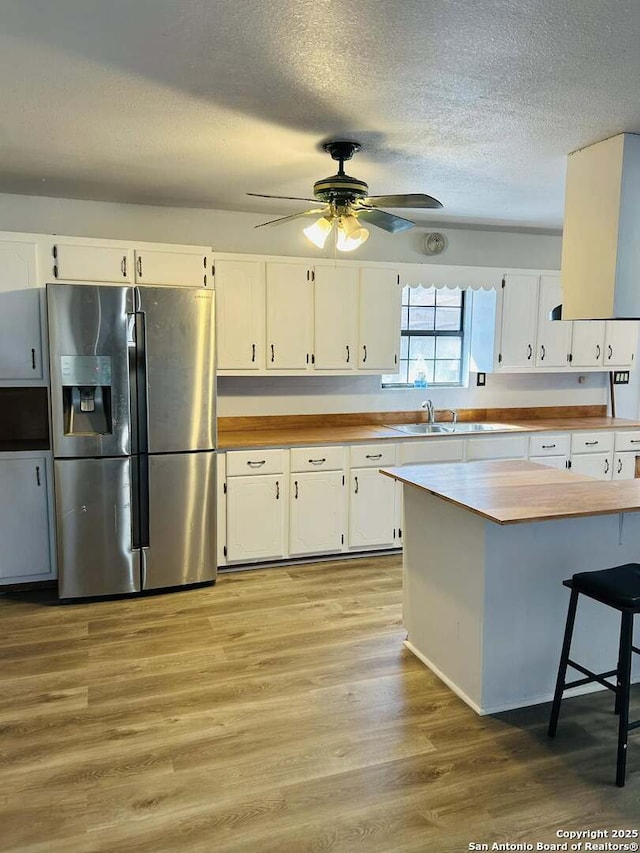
431,415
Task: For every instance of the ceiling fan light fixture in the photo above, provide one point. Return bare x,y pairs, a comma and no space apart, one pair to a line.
319,231
350,234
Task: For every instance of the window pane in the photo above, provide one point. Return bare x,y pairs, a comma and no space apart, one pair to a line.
421,318
427,366
448,319
449,297
448,347
404,318
422,347
423,296
447,371
406,291
404,346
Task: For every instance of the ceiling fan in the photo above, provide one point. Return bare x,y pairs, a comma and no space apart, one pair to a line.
347,203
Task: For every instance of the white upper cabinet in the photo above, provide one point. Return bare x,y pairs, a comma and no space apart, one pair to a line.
240,314
553,340
289,316
82,262
20,312
185,268
335,317
620,342
587,343
518,321
379,301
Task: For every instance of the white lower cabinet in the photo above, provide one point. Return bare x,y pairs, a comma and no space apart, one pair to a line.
317,517
256,517
624,466
597,465
550,461
372,510
25,519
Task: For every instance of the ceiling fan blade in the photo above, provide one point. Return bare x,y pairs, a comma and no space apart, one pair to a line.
412,200
286,197
386,221
314,212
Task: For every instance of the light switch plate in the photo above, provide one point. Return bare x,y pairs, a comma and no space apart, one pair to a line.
481,379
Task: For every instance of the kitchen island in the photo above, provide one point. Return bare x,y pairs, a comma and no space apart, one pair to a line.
486,548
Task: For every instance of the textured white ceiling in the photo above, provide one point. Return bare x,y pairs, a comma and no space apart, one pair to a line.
195,102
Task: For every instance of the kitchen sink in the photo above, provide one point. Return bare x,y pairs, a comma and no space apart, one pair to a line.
463,426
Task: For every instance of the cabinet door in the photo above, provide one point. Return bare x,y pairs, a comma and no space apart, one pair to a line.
24,519
20,300
335,318
317,512
518,321
620,342
597,465
550,461
587,343
187,269
624,466
76,262
553,336
379,305
372,510
289,316
256,517
240,314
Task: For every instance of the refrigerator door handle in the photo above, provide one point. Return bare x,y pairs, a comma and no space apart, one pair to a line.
142,401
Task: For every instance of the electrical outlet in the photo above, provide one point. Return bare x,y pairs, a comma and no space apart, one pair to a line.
481,379
620,377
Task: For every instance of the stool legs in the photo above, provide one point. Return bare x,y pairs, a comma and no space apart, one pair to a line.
623,683
564,658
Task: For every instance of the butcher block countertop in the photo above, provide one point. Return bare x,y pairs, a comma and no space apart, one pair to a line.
300,430
514,492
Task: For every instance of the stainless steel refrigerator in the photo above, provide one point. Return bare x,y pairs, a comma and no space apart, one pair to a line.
133,429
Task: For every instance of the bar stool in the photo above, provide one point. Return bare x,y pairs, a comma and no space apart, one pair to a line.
618,588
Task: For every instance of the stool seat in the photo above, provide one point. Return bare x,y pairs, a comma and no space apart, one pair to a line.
619,587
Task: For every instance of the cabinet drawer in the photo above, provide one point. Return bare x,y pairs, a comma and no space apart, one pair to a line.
431,450
512,447
245,462
591,442
627,441
372,455
549,445
317,459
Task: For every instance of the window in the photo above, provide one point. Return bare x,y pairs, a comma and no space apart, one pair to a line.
432,337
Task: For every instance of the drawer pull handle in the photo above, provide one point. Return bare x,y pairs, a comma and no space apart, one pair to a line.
606,466
619,466
257,464
296,494
634,441
591,443
373,456
355,491
548,446
277,490
317,461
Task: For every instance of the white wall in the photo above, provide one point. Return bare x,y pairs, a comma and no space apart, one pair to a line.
234,232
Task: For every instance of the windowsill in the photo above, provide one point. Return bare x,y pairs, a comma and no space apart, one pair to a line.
430,387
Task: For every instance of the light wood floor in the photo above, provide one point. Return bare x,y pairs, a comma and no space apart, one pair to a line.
276,711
